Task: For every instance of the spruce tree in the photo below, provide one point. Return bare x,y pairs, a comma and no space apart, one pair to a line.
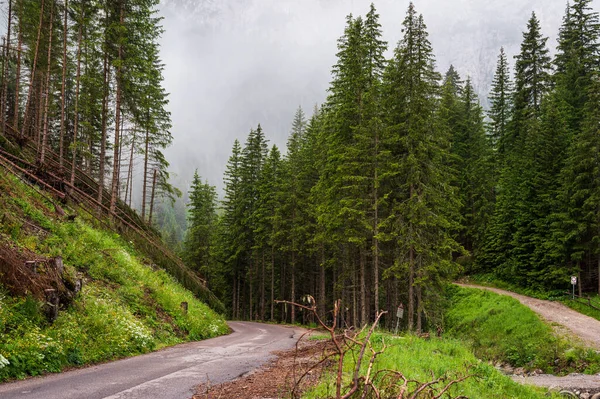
582,188
423,202
202,217
500,98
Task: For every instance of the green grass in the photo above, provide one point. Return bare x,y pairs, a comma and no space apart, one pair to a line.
126,306
501,329
418,359
491,280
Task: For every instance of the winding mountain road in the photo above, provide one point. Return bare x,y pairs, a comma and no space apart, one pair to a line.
172,373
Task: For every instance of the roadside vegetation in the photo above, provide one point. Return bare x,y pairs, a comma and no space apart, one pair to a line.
502,330
127,305
581,305
427,359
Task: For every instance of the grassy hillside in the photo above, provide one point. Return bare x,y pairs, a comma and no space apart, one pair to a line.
127,305
499,328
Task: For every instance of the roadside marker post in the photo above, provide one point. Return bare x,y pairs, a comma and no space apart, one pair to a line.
399,315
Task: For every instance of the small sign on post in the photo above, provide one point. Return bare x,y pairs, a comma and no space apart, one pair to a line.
399,315
573,283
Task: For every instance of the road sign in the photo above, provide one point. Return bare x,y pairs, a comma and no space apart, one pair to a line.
400,312
574,280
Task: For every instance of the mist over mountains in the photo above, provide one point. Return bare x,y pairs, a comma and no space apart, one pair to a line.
231,64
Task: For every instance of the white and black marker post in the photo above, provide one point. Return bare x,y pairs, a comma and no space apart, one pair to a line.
573,283
399,315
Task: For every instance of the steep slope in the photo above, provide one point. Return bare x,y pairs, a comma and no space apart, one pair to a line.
112,300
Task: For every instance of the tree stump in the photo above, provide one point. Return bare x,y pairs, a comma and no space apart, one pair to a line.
59,265
51,306
184,307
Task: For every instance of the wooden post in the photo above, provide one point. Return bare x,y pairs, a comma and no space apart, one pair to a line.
184,307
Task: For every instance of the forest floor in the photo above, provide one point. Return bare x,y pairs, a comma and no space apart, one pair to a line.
565,321
277,378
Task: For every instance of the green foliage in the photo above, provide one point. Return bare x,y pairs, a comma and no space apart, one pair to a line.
499,328
125,308
417,359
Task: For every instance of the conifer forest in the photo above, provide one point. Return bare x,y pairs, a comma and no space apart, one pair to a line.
399,182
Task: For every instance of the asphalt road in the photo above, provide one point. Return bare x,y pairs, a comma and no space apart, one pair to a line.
172,373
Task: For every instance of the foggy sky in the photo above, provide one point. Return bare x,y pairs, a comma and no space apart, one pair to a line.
231,64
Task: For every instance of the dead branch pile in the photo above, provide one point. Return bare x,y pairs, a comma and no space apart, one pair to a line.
369,383
24,273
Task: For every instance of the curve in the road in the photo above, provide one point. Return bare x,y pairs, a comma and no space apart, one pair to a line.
582,326
170,373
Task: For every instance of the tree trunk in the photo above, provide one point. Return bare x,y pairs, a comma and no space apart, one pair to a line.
33,70
363,289
116,160
293,287
77,87
18,77
144,188
63,89
39,114
262,287
130,169
4,86
152,198
419,313
376,232
47,99
322,295
5,69
272,283
102,160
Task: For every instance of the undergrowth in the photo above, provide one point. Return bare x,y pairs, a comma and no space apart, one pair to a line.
418,359
126,307
501,329
555,295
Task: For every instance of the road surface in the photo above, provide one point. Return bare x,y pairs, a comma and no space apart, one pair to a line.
172,373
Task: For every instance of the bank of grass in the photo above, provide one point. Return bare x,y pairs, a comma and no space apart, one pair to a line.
491,280
126,307
500,329
417,359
